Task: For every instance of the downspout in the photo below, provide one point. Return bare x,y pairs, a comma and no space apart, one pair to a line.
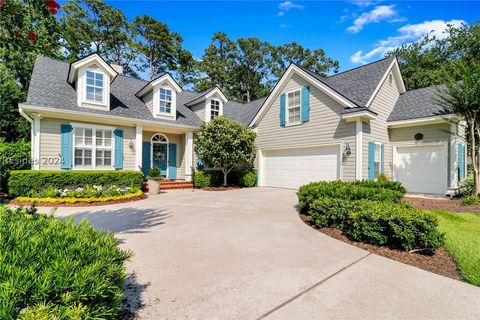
32,129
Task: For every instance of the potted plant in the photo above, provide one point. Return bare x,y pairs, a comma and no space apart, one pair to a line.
154,176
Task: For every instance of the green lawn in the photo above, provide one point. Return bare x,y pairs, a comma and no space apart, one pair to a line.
462,232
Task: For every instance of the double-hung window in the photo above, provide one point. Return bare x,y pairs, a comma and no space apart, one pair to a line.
214,109
377,160
293,107
165,101
94,86
93,148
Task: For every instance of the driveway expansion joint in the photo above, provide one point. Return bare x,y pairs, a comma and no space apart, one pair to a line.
295,297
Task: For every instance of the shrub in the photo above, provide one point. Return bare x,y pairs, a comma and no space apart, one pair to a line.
21,183
13,156
330,212
247,179
382,177
386,191
154,174
201,179
56,269
470,200
392,225
467,185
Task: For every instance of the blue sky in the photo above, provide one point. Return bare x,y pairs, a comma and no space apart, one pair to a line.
353,32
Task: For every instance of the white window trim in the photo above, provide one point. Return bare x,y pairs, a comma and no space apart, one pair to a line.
104,88
156,103
287,117
167,143
94,153
208,112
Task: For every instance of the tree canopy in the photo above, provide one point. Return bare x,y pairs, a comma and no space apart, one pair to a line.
422,61
225,144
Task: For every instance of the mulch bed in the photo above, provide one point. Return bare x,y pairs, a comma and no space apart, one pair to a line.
221,188
441,204
441,262
78,204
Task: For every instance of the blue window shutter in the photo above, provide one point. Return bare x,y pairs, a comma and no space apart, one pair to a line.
461,165
371,160
172,161
305,104
382,166
282,110
118,149
66,146
146,165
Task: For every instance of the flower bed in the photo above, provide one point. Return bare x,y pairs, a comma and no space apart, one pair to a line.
87,195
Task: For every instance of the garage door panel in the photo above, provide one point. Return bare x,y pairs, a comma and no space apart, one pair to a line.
422,169
292,168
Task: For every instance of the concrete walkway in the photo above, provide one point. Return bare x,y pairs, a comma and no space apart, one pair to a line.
245,254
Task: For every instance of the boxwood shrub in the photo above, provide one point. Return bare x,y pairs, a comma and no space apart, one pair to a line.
210,178
20,183
384,191
56,269
398,226
393,225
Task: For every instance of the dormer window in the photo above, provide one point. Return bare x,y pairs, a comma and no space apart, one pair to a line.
214,109
94,86
165,100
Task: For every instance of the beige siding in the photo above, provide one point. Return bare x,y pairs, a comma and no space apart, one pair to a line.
179,140
199,109
376,130
148,99
431,133
325,126
50,144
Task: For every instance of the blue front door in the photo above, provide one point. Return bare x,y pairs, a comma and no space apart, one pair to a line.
160,157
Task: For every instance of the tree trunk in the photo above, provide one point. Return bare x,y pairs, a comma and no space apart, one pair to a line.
473,157
225,178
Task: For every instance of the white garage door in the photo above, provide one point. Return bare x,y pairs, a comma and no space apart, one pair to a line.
292,168
422,169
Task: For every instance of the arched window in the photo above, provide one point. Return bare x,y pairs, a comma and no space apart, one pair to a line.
159,138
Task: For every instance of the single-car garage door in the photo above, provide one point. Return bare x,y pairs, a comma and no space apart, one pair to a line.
422,169
292,168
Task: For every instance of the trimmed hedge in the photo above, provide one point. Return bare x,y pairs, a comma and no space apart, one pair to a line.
393,225
21,183
384,191
214,178
398,226
56,269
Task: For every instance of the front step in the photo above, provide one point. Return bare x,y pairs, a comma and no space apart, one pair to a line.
175,184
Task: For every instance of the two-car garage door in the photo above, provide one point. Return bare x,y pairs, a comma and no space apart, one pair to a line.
292,168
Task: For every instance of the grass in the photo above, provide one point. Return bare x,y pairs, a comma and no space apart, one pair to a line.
462,232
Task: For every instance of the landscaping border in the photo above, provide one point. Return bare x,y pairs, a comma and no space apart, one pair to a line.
78,202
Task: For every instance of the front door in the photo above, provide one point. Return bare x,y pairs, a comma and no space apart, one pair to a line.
160,157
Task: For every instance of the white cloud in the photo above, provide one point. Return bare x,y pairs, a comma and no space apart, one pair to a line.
378,14
283,25
407,33
287,6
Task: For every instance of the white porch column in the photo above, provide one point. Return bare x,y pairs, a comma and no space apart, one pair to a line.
36,142
138,147
188,155
453,156
358,150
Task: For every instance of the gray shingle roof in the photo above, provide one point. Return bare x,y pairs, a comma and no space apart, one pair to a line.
358,84
49,88
243,112
418,103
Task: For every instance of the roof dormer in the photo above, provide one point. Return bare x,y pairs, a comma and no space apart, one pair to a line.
213,103
160,95
91,77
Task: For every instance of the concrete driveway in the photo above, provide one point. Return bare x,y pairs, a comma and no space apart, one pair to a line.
245,254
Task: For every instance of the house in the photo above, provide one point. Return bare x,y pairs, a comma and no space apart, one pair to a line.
352,125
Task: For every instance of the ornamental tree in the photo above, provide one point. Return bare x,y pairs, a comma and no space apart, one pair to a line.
225,144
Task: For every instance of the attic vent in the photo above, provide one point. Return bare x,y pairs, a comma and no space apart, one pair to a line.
390,79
